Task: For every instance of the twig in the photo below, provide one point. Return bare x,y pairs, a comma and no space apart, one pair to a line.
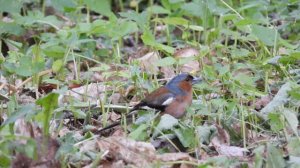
30,78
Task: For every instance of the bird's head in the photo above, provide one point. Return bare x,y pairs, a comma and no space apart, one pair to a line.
182,82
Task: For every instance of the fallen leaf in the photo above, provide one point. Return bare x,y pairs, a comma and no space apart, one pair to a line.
87,93
187,55
231,151
223,135
139,154
136,154
168,71
169,157
262,102
148,62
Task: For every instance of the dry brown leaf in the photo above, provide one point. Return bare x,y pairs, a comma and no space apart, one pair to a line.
169,72
139,154
238,129
88,93
262,102
191,66
231,151
90,145
148,62
26,129
221,144
223,135
283,51
63,131
115,98
136,154
119,131
114,116
169,157
25,99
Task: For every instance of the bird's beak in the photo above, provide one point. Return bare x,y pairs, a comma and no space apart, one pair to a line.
196,80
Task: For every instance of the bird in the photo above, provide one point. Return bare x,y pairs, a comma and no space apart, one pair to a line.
172,98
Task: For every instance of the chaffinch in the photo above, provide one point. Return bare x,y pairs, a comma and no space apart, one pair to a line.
172,99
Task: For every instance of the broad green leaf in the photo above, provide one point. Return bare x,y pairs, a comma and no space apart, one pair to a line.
244,79
195,9
186,136
103,7
245,22
253,4
37,17
148,38
275,122
274,157
57,65
28,67
206,133
292,119
140,18
265,34
11,6
291,59
9,68
176,1
115,29
24,111
5,160
222,69
64,5
102,52
55,51
11,28
295,93
125,28
173,21
79,114
84,27
49,103
140,133
166,122
215,8
209,71
157,10
239,52
165,48
227,17
167,61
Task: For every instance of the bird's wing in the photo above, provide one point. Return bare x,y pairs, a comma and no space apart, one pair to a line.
159,99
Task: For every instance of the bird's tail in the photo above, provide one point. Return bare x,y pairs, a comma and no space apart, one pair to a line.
128,120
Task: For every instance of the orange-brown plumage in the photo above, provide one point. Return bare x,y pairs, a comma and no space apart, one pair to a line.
172,99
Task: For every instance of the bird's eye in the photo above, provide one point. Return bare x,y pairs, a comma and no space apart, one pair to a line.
187,79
